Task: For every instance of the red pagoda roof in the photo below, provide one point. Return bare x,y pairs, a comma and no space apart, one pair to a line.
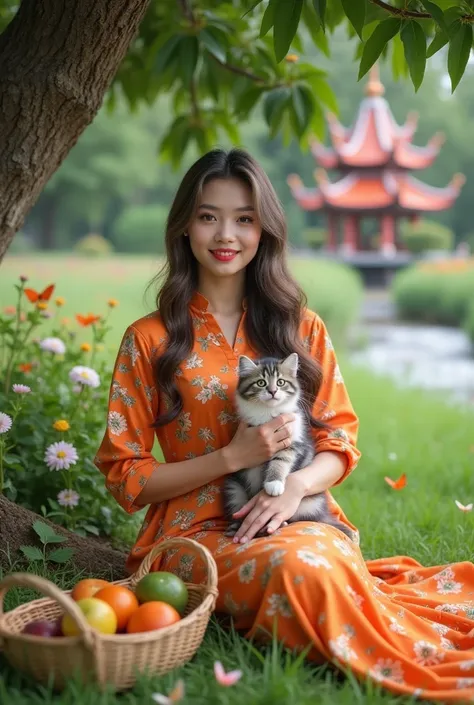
358,192
375,139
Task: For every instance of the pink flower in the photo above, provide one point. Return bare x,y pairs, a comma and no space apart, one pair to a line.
5,422
223,678
60,456
21,389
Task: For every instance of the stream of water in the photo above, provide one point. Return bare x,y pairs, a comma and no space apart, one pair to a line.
428,357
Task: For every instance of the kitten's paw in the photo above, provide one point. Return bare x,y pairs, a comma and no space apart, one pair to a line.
274,488
232,528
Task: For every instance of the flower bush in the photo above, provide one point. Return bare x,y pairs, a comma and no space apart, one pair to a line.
53,402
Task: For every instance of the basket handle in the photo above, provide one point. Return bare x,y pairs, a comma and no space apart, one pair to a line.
205,554
46,587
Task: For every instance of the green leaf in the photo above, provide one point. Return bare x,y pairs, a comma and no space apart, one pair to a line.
32,553
311,20
268,18
440,39
55,538
247,101
322,43
60,555
188,53
436,13
213,46
377,42
459,51
274,104
355,11
44,531
399,64
302,105
320,7
323,92
414,44
318,122
168,53
286,23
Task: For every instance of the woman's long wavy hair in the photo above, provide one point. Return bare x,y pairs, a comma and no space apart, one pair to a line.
274,300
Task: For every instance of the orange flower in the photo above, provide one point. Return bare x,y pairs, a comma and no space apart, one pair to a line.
59,301
25,367
35,296
42,305
87,320
397,484
86,347
112,303
65,321
291,58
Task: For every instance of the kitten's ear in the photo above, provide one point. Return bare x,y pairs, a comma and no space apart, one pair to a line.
246,366
290,365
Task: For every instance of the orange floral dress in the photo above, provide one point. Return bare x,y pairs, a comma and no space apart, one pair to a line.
389,620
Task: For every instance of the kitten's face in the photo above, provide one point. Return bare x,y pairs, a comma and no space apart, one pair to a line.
268,381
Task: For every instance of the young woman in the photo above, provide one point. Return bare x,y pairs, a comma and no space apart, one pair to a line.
228,292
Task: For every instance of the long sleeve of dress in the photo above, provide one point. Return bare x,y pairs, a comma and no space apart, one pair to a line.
332,403
124,456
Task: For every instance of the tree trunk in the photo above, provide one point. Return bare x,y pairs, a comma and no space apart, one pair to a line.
90,556
57,59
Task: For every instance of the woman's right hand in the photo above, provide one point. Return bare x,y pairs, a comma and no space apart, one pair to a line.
253,445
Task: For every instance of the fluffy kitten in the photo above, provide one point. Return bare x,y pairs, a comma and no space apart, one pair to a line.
267,388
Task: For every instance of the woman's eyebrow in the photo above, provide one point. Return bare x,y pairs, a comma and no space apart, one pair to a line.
210,207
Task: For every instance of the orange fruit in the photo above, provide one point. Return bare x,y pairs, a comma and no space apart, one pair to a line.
151,616
162,586
122,600
87,587
98,614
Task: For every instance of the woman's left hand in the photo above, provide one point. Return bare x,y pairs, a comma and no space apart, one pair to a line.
264,510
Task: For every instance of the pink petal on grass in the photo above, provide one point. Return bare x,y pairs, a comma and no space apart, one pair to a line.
464,507
175,695
223,678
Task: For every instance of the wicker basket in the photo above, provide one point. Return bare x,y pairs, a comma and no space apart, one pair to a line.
105,659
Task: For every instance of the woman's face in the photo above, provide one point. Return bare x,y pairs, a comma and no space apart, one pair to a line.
225,232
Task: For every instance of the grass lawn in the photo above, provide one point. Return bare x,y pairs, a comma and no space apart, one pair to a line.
401,431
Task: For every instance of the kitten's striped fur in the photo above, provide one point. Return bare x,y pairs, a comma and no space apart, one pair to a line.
266,389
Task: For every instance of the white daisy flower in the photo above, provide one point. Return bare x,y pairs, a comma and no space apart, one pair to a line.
54,345
68,498
5,422
313,559
60,456
84,375
21,389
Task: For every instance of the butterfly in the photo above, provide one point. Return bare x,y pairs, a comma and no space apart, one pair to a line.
397,484
223,678
174,696
87,320
35,296
462,507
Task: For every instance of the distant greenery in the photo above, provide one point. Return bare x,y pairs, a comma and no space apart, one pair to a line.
426,235
437,292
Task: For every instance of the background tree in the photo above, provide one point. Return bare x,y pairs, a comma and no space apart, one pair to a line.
216,60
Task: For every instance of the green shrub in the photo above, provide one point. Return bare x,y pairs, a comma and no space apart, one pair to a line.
39,388
426,235
469,322
334,291
434,296
141,229
315,237
93,245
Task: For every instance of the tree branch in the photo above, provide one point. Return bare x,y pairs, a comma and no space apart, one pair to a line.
399,12
239,71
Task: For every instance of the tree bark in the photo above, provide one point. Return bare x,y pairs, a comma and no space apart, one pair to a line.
57,59
90,556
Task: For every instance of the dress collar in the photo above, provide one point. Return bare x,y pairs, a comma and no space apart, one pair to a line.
201,304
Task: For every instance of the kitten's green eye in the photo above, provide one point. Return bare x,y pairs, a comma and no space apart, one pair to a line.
261,383
281,383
